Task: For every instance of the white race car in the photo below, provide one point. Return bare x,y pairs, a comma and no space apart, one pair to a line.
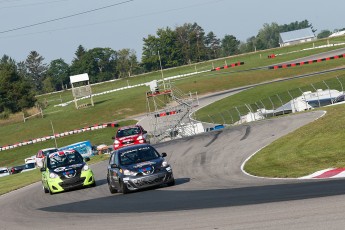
4,172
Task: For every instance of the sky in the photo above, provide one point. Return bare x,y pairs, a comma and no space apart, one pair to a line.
55,28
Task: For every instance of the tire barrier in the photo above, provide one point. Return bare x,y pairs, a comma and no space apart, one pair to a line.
163,114
58,135
228,66
306,62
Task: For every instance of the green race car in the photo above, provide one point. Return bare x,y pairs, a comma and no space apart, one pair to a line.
65,170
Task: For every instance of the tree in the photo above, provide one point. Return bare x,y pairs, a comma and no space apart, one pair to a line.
168,48
15,91
126,62
295,26
212,44
150,58
58,74
36,69
324,34
99,63
250,45
230,45
165,45
80,52
268,37
191,41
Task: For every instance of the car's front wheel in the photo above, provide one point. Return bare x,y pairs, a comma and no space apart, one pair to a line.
50,191
111,189
124,188
45,189
171,183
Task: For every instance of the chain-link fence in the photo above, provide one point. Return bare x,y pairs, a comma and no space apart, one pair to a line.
311,96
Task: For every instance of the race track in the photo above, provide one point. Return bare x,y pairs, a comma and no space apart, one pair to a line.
211,191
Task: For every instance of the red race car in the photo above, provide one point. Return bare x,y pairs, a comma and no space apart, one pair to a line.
130,135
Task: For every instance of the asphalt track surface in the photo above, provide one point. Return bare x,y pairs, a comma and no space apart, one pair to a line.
211,191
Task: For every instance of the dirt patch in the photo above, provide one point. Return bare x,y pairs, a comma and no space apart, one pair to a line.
19,117
122,111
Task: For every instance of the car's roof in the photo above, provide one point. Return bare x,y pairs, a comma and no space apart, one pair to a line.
47,149
129,126
63,152
2,168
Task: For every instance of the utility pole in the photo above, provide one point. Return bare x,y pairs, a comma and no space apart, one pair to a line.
54,134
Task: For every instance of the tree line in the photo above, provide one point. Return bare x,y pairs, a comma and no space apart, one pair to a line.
169,47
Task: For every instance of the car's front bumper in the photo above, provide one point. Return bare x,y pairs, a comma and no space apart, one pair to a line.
86,178
158,178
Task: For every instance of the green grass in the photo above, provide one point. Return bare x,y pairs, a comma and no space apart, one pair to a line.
222,110
316,146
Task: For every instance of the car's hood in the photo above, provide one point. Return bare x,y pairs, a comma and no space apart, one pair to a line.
145,166
128,138
68,168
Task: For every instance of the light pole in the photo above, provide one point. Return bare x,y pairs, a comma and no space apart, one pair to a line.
53,133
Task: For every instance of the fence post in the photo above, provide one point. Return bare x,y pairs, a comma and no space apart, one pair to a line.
222,118
263,106
293,101
252,115
329,90
305,100
239,115
318,98
272,106
232,120
211,119
281,103
342,89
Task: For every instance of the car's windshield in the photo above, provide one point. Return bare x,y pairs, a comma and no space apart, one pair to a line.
128,132
137,155
59,159
49,151
30,166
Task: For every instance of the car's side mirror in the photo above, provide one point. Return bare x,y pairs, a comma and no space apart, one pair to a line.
87,158
164,154
113,138
144,132
114,166
42,169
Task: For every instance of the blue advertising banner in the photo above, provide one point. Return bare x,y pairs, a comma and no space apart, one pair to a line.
84,148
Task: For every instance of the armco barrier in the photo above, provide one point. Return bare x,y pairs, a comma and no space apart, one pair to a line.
228,66
58,135
306,62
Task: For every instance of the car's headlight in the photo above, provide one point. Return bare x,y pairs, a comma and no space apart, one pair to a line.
53,175
116,142
140,137
164,164
126,172
85,168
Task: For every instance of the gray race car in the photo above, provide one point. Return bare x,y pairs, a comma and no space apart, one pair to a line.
136,167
